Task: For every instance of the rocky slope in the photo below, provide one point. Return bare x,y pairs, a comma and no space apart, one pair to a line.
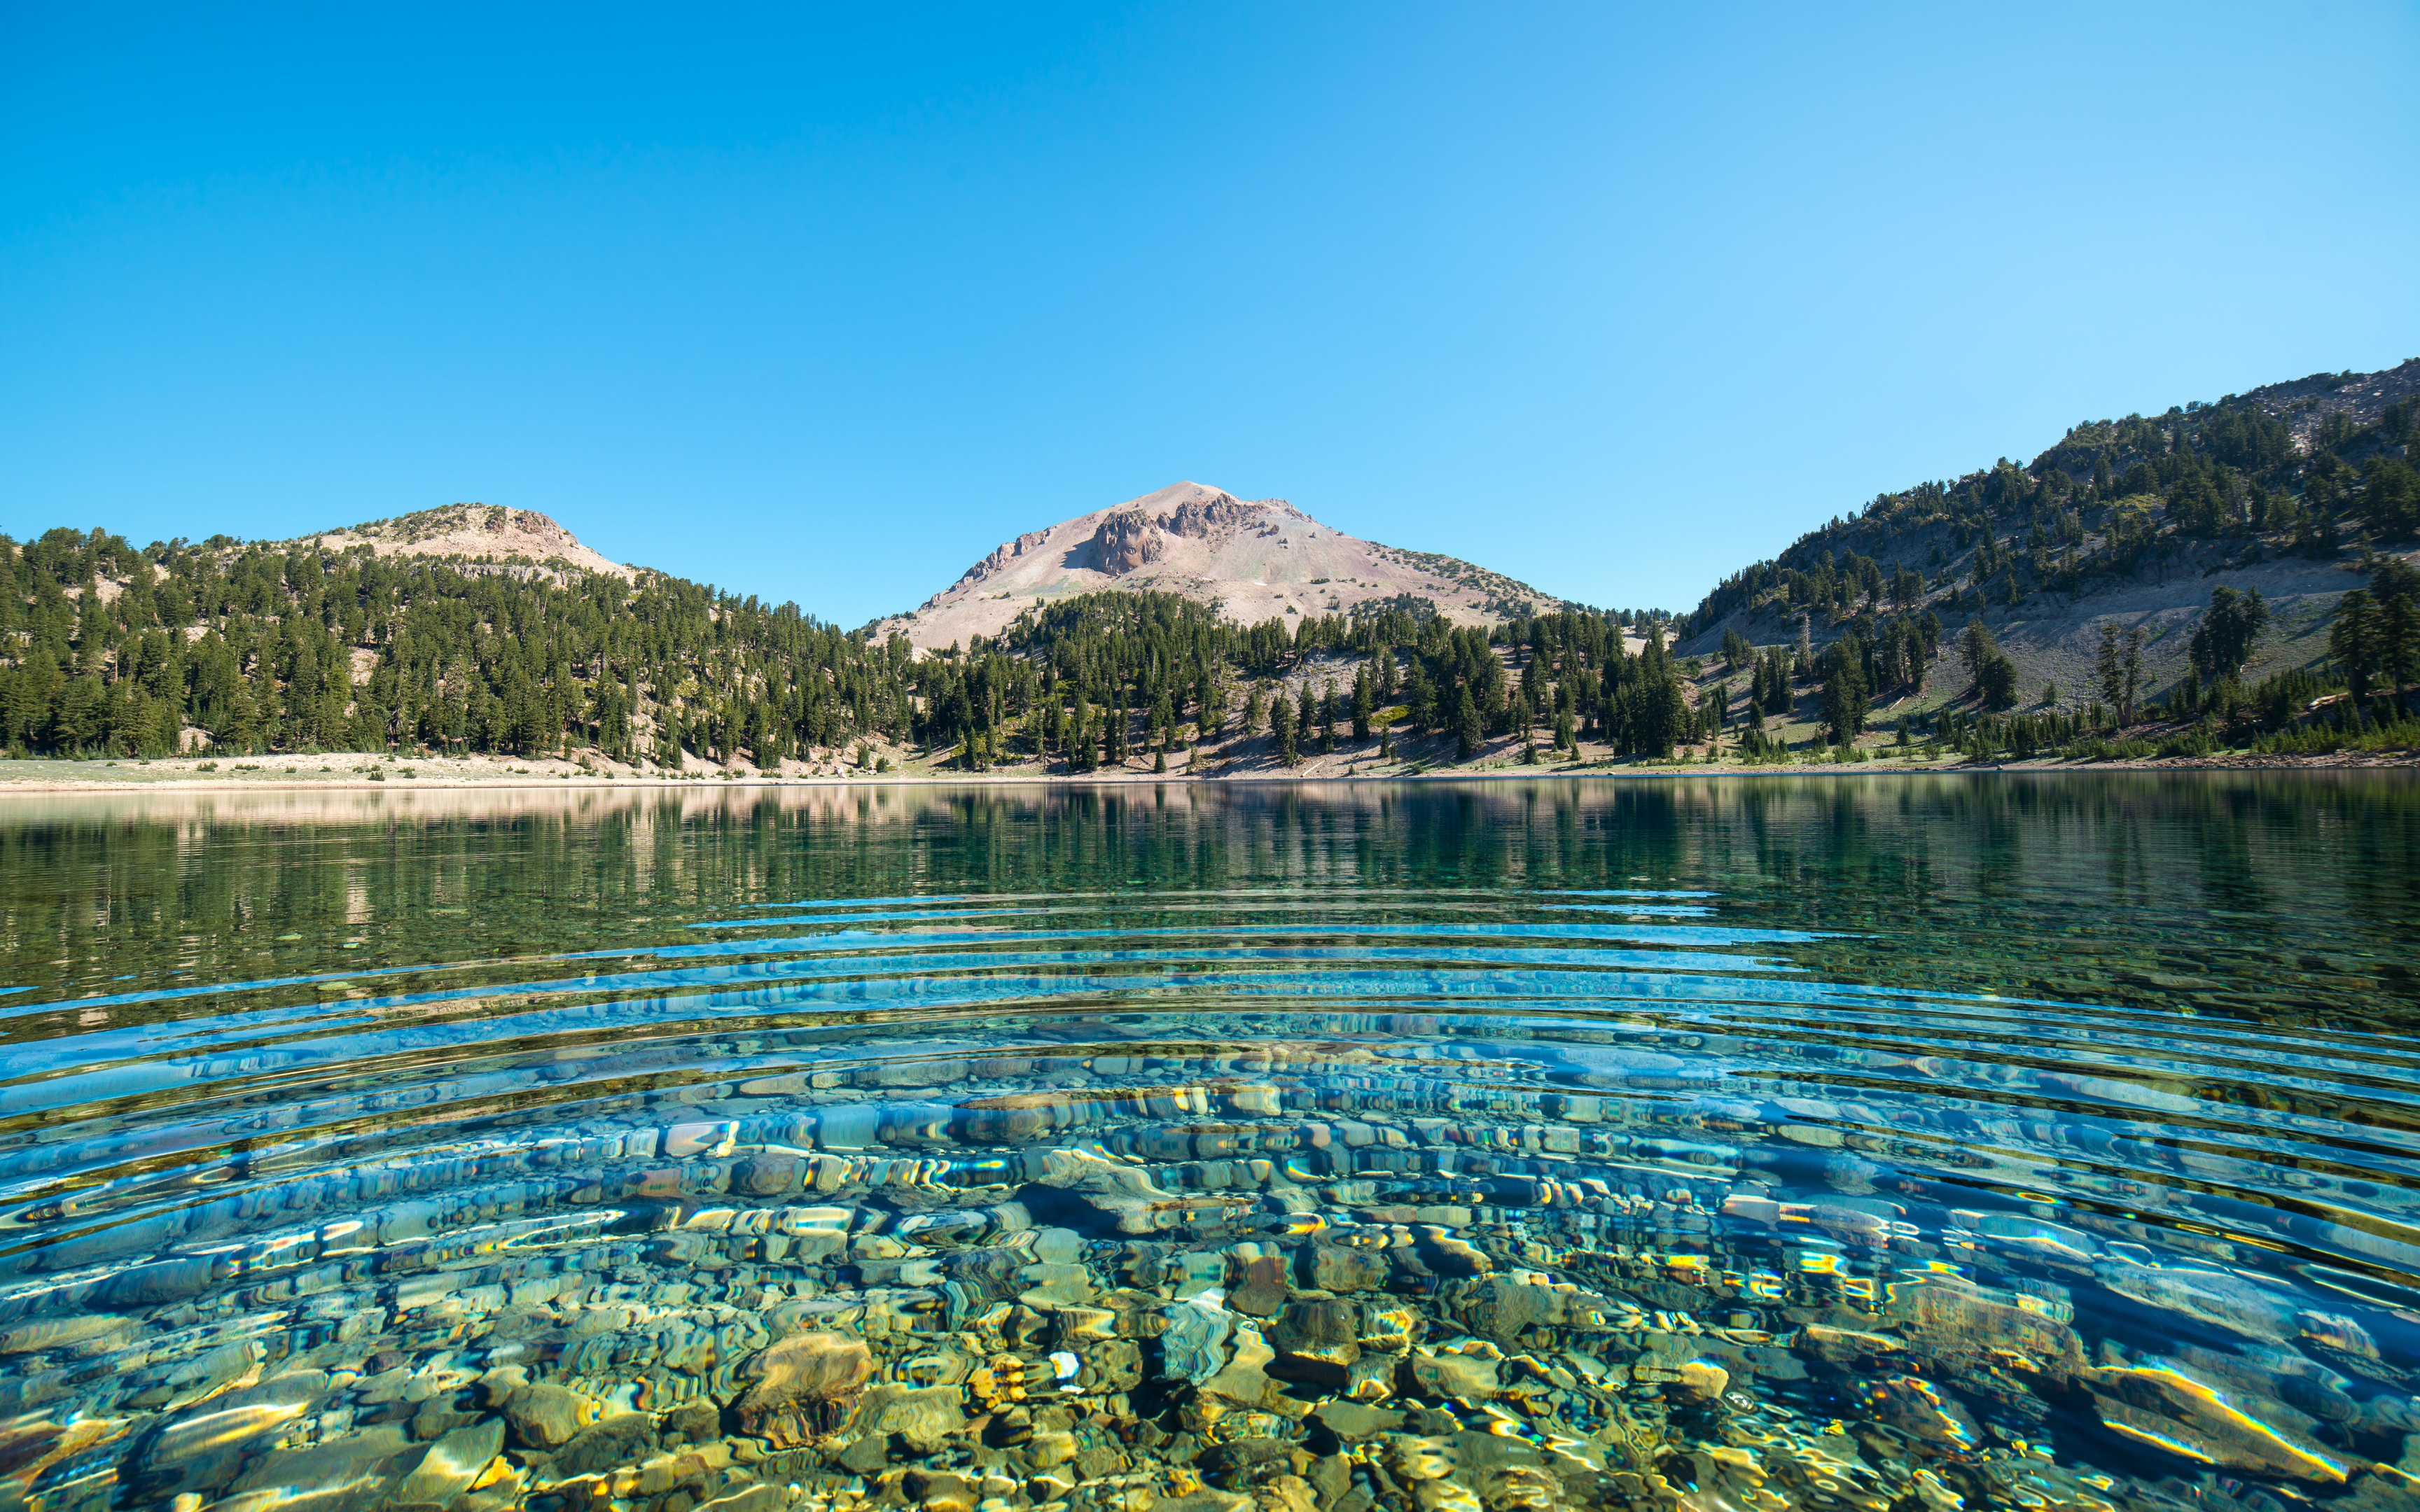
2306,404
473,534
1258,560
2125,522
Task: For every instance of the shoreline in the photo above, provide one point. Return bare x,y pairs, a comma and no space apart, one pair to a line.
88,776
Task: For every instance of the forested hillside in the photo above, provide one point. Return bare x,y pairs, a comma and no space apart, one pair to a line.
246,648
232,648
2271,506
1099,679
2302,469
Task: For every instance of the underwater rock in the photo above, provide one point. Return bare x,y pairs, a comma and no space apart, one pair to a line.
803,1386
1195,1272
1335,1268
1370,1378
1466,1370
542,1417
1013,1117
1112,1365
2123,1092
1845,1346
1352,1422
351,1474
2220,1297
1945,1316
1448,1254
1193,1345
697,1420
202,1448
2333,1331
1327,1328
163,1281
1502,1309
1618,1063
1247,1464
768,1174
1157,1273
2164,1406
1318,1342
1246,1379
1050,1447
624,1438
1704,1380
978,1278
923,1417
1916,1406
1204,1500
1390,1326
451,1464
28,1447
1119,1197
1262,1289
94,1334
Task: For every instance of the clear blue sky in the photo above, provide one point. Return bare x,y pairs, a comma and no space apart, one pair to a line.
824,305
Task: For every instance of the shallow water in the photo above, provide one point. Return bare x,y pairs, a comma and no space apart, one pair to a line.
1866,1142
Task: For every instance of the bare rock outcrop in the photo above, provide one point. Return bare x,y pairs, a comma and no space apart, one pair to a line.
1125,541
473,534
1254,559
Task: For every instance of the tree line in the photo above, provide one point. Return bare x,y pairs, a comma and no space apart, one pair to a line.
106,648
242,648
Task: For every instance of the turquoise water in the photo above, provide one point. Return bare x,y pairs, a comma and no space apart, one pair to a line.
1907,1143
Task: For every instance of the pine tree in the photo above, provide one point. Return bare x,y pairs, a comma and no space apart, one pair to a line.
2395,587
2354,642
2223,638
2131,679
1845,693
2109,668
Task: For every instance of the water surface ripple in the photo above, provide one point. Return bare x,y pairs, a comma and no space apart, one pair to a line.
1907,1144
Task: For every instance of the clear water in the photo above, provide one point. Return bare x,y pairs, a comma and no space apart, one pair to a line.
1905,1143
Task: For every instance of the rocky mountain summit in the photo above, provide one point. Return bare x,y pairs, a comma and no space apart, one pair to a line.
1256,560
473,534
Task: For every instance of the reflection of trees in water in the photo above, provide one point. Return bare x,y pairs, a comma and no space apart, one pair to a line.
2092,885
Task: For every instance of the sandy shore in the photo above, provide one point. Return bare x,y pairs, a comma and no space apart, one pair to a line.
337,773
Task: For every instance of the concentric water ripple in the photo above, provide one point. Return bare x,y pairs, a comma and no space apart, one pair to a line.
1871,1143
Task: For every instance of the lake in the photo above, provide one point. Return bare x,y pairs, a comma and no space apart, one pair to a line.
1878,1142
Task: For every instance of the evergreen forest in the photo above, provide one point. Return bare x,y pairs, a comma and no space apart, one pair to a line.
2202,489
235,648
2224,483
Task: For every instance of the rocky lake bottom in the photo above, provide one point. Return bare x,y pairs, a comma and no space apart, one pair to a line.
1909,1144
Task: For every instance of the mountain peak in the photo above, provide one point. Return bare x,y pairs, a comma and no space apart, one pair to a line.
477,532
1255,559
